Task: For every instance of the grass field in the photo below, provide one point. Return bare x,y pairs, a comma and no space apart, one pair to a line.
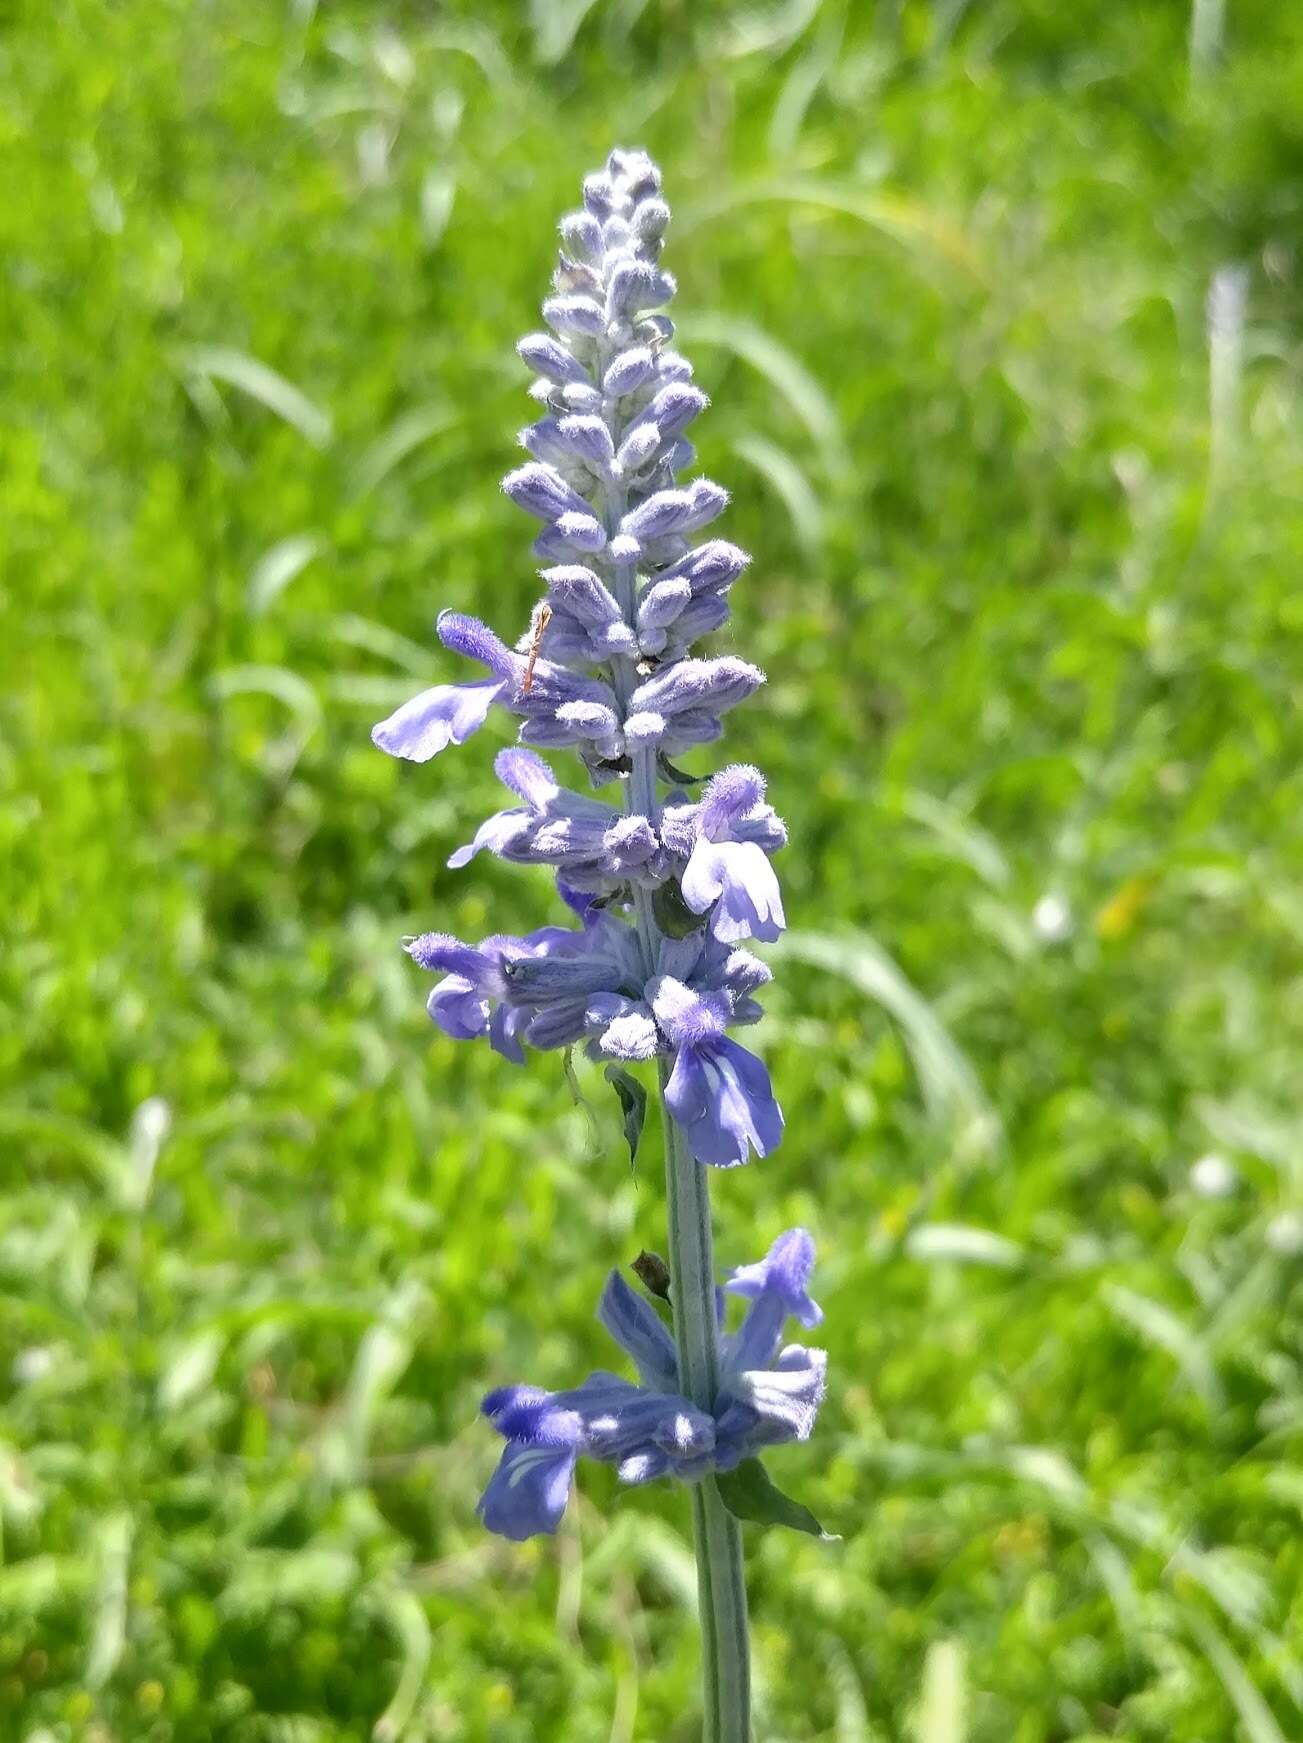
1000,308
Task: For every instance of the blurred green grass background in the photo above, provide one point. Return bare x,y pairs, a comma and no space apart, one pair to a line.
999,305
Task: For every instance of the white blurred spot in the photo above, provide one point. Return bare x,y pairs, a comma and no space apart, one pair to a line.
32,1364
1285,1234
106,208
150,1125
1212,1176
393,57
1227,305
152,1122
373,143
1052,919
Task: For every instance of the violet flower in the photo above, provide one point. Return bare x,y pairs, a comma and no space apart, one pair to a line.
728,875
768,1393
559,987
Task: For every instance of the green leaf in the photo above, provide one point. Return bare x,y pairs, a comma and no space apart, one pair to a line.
749,1494
262,383
581,1101
277,567
673,915
943,1701
676,776
633,1106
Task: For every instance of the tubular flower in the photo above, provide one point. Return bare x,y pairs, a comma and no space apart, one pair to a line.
768,1393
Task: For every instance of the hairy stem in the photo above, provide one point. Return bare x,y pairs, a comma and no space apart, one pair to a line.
721,1583
721,1586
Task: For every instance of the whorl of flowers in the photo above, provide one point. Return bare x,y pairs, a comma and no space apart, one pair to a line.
607,669
769,1393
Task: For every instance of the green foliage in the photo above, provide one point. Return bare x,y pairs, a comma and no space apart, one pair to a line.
1026,584
750,1493
632,1098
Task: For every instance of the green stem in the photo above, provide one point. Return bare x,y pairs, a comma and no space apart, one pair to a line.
717,1537
721,1585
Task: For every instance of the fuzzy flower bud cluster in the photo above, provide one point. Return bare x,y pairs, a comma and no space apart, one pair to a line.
609,669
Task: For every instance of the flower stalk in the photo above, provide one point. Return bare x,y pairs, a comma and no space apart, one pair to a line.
667,888
717,1536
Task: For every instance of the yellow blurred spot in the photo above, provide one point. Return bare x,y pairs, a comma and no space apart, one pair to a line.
80,1706
893,1219
775,1647
1136,1202
149,1696
1119,914
1021,1539
902,1625
857,1400
498,1698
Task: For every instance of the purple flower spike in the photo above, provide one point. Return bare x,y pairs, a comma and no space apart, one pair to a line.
664,881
